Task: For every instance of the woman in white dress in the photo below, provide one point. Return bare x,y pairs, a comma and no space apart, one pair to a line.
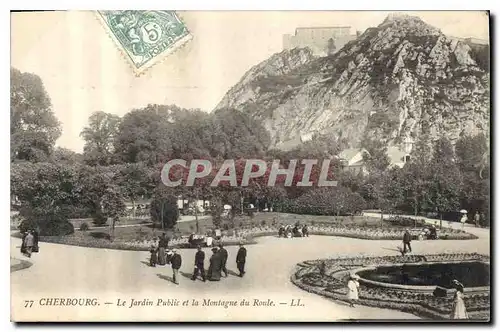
459,311
352,289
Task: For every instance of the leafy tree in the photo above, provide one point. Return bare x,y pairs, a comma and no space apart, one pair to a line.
99,136
65,156
473,160
326,201
473,154
163,208
188,134
377,160
216,209
92,185
44,190
134,181
417,175
34,128
445,181
233,134
113,206
144,136
393,191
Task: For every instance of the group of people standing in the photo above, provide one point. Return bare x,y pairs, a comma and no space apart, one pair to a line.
162,255
29,243
287,231
218,262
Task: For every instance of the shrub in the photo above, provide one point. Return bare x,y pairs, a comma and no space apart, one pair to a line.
84,227
166,203
99,218
57,229
325,201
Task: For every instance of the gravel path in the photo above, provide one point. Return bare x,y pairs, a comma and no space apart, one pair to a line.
109,275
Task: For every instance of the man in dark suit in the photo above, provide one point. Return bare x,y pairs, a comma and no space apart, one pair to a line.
199,264
224,255
176,265
241,259
406,241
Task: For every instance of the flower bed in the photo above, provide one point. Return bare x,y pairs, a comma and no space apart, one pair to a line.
332,283
246,234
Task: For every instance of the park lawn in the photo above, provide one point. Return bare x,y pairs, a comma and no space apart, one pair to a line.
184,228
123,221
139,237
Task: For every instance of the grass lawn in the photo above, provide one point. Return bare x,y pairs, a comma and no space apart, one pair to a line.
138,237
148,232
123,221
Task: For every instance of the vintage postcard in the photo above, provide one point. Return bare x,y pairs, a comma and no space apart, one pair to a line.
264,166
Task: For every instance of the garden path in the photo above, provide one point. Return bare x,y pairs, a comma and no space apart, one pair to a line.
109,275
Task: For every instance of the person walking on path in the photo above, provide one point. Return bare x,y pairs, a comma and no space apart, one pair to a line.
406,241
224,255
352,290
162,246
176,265
36,248
458,311
477,219
463,220
241,258
153,259
29,242
199,264
215,266
23,242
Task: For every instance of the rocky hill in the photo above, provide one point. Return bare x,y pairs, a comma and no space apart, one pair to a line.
400,79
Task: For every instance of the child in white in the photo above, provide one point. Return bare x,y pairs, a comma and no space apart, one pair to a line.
352,289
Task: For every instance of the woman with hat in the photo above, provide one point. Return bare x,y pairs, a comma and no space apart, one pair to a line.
458,310
352,289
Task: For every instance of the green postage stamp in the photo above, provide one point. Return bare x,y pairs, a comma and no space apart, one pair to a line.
145,36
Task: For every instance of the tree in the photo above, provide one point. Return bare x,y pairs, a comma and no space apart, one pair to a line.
216,209
444,187
44,190
113,206
417,175
163,208
99,136
393,190
144,136
92,185
134,181
473,160
233,134
376,159
34,128
65,156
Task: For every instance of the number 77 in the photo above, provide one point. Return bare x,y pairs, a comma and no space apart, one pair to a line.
28,303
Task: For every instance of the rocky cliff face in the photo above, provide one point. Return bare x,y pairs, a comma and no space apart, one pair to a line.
401,79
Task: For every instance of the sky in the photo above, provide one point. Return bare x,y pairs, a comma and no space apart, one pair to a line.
84,71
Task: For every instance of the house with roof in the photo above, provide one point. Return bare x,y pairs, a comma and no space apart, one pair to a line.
397,157
352,160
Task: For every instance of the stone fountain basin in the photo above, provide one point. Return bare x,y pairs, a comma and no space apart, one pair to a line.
422,281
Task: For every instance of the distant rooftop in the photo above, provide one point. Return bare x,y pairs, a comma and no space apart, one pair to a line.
348,154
